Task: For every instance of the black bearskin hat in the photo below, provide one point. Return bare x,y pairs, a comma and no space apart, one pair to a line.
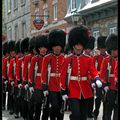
57,37
17,46
79,34
11,45
111,43
101,42
90,43
32,44
42,41
24,45
5,47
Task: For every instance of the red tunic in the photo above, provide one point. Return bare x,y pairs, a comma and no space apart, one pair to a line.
98,60
82,67
103,72
55,63
19,65
36,63
26,66
5,61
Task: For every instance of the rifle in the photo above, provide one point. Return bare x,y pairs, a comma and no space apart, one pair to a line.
107,77
48,79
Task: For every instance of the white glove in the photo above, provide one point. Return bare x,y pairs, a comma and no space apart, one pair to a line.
106,88
5,82
12,83
64,97
93,85
26,86
45,93
98,83
19,85
31,89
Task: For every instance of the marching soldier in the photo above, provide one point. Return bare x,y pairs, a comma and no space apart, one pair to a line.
107,75
116,83
76,69
5,59
97,62
87,51
27,58
11,74
51,68
18,79
34,77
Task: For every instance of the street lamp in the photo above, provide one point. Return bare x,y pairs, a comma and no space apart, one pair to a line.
76,17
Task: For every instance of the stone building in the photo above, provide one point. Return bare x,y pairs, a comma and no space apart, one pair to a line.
17,19
99,15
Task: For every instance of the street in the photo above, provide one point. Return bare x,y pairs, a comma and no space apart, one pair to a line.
6,116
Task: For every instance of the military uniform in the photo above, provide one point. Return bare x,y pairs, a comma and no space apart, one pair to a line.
97,59
78,67
107,76
5,59
26,60
51,68
88,49
11,76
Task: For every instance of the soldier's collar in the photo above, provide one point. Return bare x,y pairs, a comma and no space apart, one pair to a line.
56,54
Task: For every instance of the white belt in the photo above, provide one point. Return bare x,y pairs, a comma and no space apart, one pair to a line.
111,75
78,78
54,74
38,74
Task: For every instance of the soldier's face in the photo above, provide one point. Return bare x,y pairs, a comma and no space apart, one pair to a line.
34,52
12,53
43,50
102,51
57,49
78,47
87,51
114,53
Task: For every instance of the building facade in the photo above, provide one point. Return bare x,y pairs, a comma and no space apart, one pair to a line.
52,12
17,18
99,15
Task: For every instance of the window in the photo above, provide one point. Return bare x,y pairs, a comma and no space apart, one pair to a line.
96,34
45,12
15,4
55,11
9,6
113,30
22,2
23,30
9,33
73,5
16,32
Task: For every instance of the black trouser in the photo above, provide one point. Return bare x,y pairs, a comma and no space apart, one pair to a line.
55,101
25,105
3,96
46,110
99,96
78,109
35,105
111,97
11,100
18,103
90,106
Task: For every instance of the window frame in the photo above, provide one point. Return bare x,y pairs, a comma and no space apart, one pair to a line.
73,8
8,6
